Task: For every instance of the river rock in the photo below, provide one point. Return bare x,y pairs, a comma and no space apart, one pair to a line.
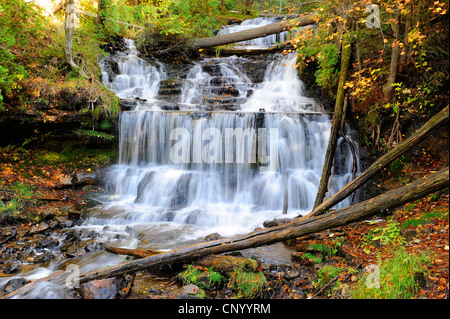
14,284
213,236
74,252
65,181
39,228
99,289
11,267
87,178
187,292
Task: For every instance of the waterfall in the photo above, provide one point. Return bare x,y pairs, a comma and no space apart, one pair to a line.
135,77
225,83
281,90
218,164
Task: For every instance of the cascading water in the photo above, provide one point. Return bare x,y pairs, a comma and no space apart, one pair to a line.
135,77
281,90
216,164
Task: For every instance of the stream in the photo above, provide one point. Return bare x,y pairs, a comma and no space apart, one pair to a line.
214,149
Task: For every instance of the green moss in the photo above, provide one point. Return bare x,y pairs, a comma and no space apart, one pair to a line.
202,277
247,284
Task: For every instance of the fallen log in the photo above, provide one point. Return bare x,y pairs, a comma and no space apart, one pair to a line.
139,253
203,43
431,126
296,228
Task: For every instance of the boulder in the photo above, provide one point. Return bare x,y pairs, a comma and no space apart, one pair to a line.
39,228
14,284
190,291
11,267
99,289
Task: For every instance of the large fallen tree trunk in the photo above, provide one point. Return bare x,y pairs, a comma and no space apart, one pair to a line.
202,43
296,228
415,190
431,126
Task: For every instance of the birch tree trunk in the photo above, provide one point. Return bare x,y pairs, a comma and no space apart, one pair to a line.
68,29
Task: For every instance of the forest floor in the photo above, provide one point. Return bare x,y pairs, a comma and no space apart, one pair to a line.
328,264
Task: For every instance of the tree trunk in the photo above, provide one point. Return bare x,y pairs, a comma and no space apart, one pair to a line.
99,13
389,90
404,57
297,228
250,34
139,253
337,119
68,29
431,126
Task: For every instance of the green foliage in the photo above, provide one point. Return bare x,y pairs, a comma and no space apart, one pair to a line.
90,134
314,48
313,258
328,69
111,12
390,234
198,15
22,198
396,166
20,24
203,278
321,252
398,277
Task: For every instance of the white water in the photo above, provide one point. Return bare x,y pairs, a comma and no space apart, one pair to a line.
282,90
136,77
201,87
